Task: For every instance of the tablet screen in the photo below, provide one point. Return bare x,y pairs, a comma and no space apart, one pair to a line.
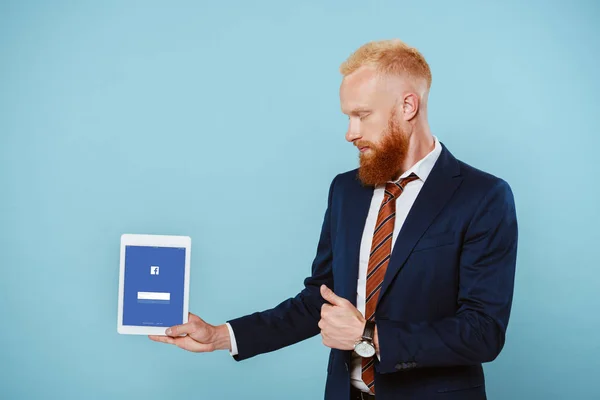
153,286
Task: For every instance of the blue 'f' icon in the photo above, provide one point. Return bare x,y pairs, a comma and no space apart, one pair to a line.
154,270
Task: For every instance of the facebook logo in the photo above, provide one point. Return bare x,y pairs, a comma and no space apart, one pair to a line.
154,270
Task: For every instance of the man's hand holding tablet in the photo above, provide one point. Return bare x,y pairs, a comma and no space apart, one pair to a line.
197,336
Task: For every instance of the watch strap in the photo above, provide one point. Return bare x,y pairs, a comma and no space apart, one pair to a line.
369,330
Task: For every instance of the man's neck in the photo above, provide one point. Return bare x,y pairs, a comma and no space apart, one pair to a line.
421,143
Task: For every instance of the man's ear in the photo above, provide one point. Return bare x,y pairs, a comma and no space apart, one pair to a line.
410,106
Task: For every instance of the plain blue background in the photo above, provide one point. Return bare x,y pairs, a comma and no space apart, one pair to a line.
139,260
220,120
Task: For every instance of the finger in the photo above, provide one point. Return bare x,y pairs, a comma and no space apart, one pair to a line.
162,339
326,308
184,329
194,318
332,298
185,343
189,344
321,324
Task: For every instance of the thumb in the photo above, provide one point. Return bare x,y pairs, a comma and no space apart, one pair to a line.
331,297
195,324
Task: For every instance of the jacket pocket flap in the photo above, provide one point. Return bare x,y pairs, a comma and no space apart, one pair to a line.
435,240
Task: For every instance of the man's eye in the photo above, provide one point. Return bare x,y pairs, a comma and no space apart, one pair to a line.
362,117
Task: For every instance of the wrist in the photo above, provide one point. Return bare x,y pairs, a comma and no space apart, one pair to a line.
376,341
221,339
360,329
365,347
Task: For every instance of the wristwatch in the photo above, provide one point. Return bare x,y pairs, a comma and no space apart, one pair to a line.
365,347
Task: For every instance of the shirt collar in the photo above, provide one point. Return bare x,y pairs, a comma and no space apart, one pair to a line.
424,166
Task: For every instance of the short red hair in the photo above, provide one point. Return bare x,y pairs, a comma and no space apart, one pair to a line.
393,57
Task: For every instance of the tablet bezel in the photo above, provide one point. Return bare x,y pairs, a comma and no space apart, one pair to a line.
129,239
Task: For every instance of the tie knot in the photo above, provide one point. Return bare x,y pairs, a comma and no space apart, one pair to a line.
395,189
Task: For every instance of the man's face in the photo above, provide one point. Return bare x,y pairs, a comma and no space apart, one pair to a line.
373,126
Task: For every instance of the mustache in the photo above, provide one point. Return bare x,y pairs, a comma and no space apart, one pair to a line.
364,143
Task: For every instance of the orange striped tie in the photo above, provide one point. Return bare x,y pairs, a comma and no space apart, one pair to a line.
381,251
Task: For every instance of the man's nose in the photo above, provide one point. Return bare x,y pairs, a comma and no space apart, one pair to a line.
353,133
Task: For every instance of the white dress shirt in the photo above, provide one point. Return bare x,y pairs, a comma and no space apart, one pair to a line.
403,205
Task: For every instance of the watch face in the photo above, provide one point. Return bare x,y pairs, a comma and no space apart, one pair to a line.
364,349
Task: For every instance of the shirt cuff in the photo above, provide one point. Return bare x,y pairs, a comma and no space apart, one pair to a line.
234,349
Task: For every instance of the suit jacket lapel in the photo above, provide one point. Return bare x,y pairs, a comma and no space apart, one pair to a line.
439,187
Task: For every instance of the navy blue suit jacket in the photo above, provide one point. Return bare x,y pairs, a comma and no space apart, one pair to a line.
445,302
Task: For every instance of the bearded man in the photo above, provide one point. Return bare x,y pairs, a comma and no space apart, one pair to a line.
412,283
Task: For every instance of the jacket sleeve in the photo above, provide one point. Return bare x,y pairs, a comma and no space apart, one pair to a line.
295,319
486,273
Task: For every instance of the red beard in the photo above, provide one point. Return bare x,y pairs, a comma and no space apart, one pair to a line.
383,162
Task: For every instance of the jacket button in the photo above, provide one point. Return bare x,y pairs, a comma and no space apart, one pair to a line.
347,369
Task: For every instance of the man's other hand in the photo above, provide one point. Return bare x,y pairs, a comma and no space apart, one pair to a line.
341,323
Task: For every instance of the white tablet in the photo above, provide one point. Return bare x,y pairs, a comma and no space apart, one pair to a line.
154,282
